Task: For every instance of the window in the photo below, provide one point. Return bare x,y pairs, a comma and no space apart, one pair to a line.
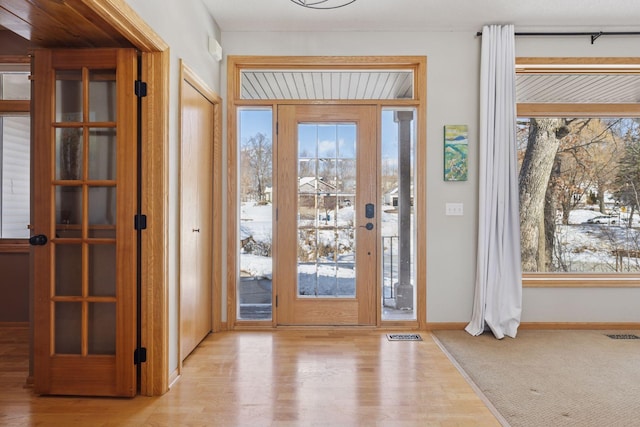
268,96
585,219
256,213
578,151
14,152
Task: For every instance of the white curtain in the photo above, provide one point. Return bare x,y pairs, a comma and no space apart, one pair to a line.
498,290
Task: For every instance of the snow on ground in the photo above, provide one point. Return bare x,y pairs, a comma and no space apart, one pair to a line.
256,221
324,277
256,266
579,216
582,247
587,248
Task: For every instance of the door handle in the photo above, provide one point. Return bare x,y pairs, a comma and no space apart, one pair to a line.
38,240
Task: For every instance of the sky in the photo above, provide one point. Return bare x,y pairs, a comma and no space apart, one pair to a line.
253,121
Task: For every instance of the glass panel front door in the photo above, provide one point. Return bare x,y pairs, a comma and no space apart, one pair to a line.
326,209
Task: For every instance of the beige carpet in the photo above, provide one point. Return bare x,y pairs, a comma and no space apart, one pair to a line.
554,378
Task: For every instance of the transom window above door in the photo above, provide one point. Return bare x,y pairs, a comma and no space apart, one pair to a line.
327,84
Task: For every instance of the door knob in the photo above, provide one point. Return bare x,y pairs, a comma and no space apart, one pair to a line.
38,240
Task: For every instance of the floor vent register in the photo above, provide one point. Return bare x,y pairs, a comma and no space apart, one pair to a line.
623,337
404,337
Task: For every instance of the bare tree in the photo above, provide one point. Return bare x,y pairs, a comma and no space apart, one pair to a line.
542,146
256,154
563,160
628,178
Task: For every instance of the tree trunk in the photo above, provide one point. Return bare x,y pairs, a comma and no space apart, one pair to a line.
601,197
539,157
549,224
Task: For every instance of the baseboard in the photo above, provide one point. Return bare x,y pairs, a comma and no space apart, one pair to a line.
579,325
175,376
446,326
457,326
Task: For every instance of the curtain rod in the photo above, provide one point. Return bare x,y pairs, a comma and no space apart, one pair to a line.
594,35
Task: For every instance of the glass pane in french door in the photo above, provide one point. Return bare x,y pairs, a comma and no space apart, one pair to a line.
84,194
326,216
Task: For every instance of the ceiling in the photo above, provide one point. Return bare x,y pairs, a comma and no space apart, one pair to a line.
428,15
26,24
439,15
53,23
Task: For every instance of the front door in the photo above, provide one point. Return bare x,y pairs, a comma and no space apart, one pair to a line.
327,219
84,204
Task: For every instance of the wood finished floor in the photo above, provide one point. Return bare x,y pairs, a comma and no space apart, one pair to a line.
282,378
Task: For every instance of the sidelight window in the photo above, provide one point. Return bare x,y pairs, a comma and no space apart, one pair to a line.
256,214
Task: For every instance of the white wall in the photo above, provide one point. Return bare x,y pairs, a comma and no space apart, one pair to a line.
452,98
452,84
186,27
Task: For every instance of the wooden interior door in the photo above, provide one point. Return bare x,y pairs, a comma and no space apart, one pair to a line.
197,134
326,268
84,203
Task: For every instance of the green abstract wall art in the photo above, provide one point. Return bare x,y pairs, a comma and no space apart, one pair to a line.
456,149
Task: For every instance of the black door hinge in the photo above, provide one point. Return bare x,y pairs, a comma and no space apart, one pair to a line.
140,89
277,128
276,301
139,355
140,222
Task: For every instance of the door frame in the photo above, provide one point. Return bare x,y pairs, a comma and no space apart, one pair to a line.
189,77
154,323
235,65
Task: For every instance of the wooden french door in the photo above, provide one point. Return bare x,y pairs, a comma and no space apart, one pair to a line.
84,203
327,224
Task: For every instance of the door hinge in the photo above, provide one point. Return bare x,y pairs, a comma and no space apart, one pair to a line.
139,355
276,301
277,127
140,222
140,88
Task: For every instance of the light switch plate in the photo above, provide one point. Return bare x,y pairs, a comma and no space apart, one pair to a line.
454,209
